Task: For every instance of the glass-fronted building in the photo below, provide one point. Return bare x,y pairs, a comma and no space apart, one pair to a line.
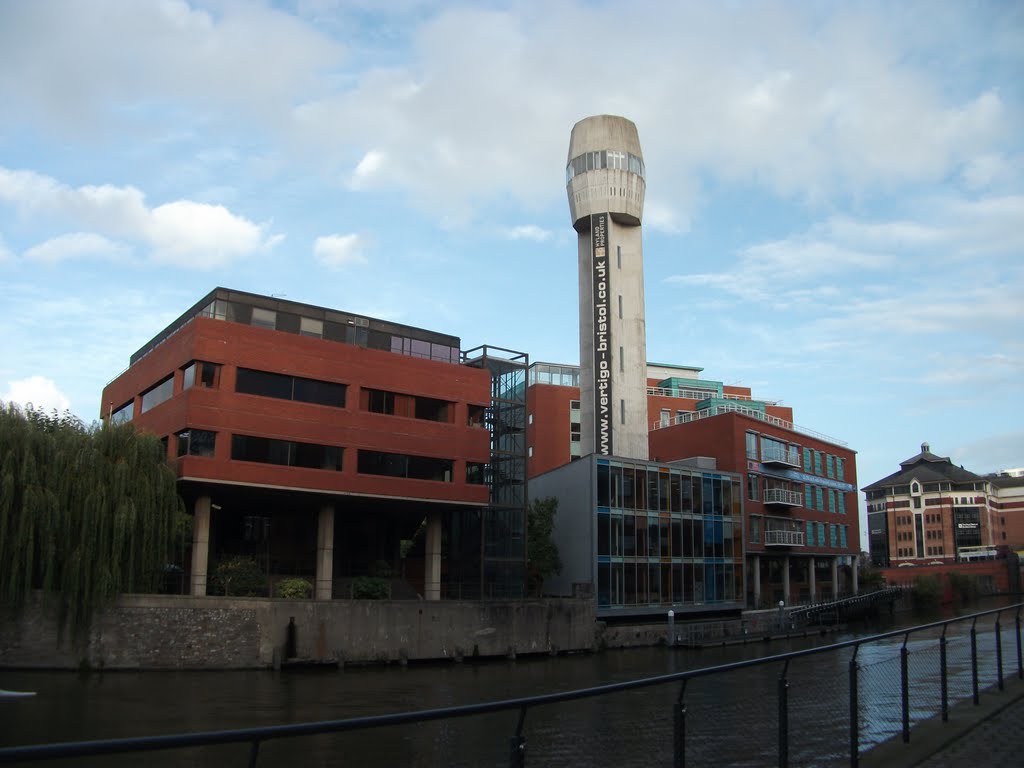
646,536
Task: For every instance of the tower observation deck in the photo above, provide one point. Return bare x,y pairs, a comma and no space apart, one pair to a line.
605,185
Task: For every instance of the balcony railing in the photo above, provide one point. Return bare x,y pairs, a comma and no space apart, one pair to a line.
688,416
784,538
777,454
782,496
703,394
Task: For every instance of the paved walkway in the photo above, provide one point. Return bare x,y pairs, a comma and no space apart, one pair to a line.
987,735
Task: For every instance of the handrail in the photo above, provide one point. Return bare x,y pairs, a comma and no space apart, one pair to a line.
684,417
257,735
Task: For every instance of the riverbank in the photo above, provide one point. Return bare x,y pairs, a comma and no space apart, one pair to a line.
182,632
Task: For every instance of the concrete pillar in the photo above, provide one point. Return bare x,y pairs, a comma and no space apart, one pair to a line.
200,545
325,553
432,559
810,580
855,563
835,577
785,579
757,582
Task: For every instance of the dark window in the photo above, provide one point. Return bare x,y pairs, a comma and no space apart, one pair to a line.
250,382
431,410
400,465
265,384
288,322
200,374
265,450
476,415
379,401
319,392
196,442
381,340
474,473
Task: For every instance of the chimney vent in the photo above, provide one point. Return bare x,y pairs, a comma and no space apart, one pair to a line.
925,448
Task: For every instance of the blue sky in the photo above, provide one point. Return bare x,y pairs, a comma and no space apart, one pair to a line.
835,191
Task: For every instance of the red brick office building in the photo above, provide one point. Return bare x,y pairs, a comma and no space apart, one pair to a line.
318,441
801,533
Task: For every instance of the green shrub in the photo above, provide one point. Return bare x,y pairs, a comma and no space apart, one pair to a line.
370,588
926,592
240,576
963,587
294,589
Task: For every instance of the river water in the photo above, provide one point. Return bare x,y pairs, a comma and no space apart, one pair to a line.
731,718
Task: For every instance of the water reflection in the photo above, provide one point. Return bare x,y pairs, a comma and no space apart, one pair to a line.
731,718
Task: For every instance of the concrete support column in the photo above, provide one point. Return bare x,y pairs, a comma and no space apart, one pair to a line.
757,582
200,545
854,567
835,577
785,579
810,580
432,559
325,553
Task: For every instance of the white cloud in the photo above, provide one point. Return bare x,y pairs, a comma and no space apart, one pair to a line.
184,232
75,245
203,236
367,168
779,96
337,251
38,392
5,253
528,232
78,64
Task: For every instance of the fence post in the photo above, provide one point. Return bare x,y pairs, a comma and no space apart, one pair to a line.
944,674
679,729
1020,663
999,652
517,744
974,660
254,753
784,717
854,711
905,688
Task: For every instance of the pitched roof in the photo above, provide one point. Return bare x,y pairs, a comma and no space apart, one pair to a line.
926,467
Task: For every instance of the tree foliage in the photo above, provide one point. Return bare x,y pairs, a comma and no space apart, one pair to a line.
544,559
239,576
294,589
86,513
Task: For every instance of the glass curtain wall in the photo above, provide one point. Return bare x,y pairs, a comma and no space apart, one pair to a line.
667,536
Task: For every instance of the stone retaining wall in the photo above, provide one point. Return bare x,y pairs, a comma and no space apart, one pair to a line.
180,632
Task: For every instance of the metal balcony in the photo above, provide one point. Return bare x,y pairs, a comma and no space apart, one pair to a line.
779,455
782,496
780,538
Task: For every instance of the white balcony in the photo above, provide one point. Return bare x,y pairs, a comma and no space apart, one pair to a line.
777,454
782,538
782,496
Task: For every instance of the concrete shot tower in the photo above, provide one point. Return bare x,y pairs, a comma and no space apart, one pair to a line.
605,184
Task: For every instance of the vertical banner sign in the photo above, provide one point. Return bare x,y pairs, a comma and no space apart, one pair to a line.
602,335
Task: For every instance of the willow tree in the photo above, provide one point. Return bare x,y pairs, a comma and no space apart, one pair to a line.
86,513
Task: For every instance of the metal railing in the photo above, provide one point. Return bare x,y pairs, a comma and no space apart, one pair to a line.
780,455
684,417
784,538
703,394
783,496
881,693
